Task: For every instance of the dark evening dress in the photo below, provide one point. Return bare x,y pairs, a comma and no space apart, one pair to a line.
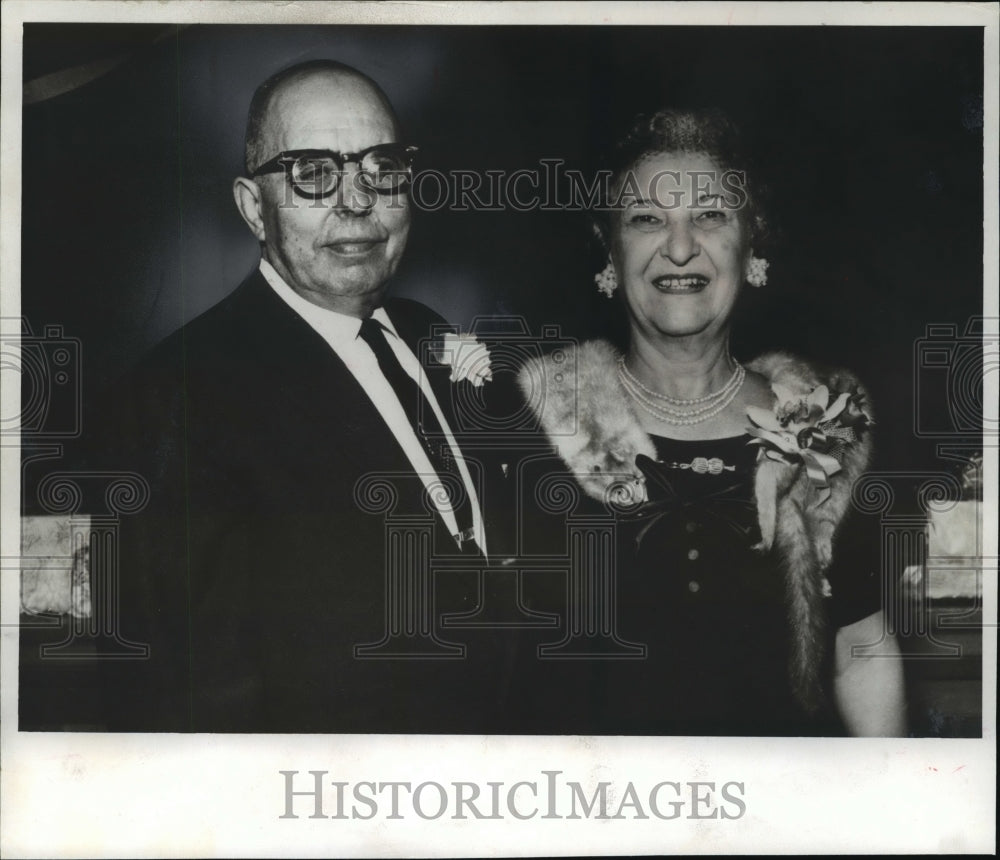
709,610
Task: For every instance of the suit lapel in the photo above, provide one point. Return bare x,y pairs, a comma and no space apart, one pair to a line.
312,381
316,386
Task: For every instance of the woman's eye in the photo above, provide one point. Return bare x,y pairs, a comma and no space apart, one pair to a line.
642,219
711,218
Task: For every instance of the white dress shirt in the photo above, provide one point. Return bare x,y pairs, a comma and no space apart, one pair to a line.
341,332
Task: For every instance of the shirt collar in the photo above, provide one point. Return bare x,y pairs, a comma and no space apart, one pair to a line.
335,326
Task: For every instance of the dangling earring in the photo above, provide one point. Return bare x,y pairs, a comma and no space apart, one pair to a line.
607,280
756,271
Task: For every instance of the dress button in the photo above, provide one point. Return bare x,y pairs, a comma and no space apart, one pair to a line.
690,527
693,555
693,586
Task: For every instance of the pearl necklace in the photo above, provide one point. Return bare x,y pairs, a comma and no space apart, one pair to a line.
706,407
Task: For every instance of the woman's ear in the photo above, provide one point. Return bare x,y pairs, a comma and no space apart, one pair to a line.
599,232
247,195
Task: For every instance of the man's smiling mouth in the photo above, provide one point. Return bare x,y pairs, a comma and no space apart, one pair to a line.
357,248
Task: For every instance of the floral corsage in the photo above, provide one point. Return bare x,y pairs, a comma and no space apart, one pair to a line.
814,430
466,356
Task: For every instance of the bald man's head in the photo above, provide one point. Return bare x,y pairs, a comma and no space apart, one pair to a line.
338,251
285,85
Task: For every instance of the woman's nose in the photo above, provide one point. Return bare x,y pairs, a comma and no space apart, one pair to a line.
680,244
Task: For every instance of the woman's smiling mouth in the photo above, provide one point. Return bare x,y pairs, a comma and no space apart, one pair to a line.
680,283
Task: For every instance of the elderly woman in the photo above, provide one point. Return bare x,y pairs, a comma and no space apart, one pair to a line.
744,578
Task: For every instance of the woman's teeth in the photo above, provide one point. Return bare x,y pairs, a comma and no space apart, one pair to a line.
676,283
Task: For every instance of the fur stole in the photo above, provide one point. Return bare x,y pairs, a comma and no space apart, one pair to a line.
590,420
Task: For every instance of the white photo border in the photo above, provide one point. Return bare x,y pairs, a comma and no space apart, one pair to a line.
94,795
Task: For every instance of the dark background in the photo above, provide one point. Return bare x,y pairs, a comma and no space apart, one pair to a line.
871,139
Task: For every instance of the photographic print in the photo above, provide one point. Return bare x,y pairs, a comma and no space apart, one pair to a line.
416,420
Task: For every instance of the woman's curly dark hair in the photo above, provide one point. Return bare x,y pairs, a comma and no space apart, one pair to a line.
700,130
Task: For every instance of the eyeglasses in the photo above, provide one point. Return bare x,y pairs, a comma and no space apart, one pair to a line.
315,173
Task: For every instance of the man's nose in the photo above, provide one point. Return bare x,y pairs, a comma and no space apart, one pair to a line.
356,196
680,244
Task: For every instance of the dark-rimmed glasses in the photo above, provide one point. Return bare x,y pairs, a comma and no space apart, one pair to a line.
315,173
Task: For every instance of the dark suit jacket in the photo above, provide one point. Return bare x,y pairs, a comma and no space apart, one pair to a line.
254,572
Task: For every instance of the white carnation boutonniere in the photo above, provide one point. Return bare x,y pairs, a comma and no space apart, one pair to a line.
814,430
466,356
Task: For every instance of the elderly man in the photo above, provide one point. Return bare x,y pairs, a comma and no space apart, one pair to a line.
262,574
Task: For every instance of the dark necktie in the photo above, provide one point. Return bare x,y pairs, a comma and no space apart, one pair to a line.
424,422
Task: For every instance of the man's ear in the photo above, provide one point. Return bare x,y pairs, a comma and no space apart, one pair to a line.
247,195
